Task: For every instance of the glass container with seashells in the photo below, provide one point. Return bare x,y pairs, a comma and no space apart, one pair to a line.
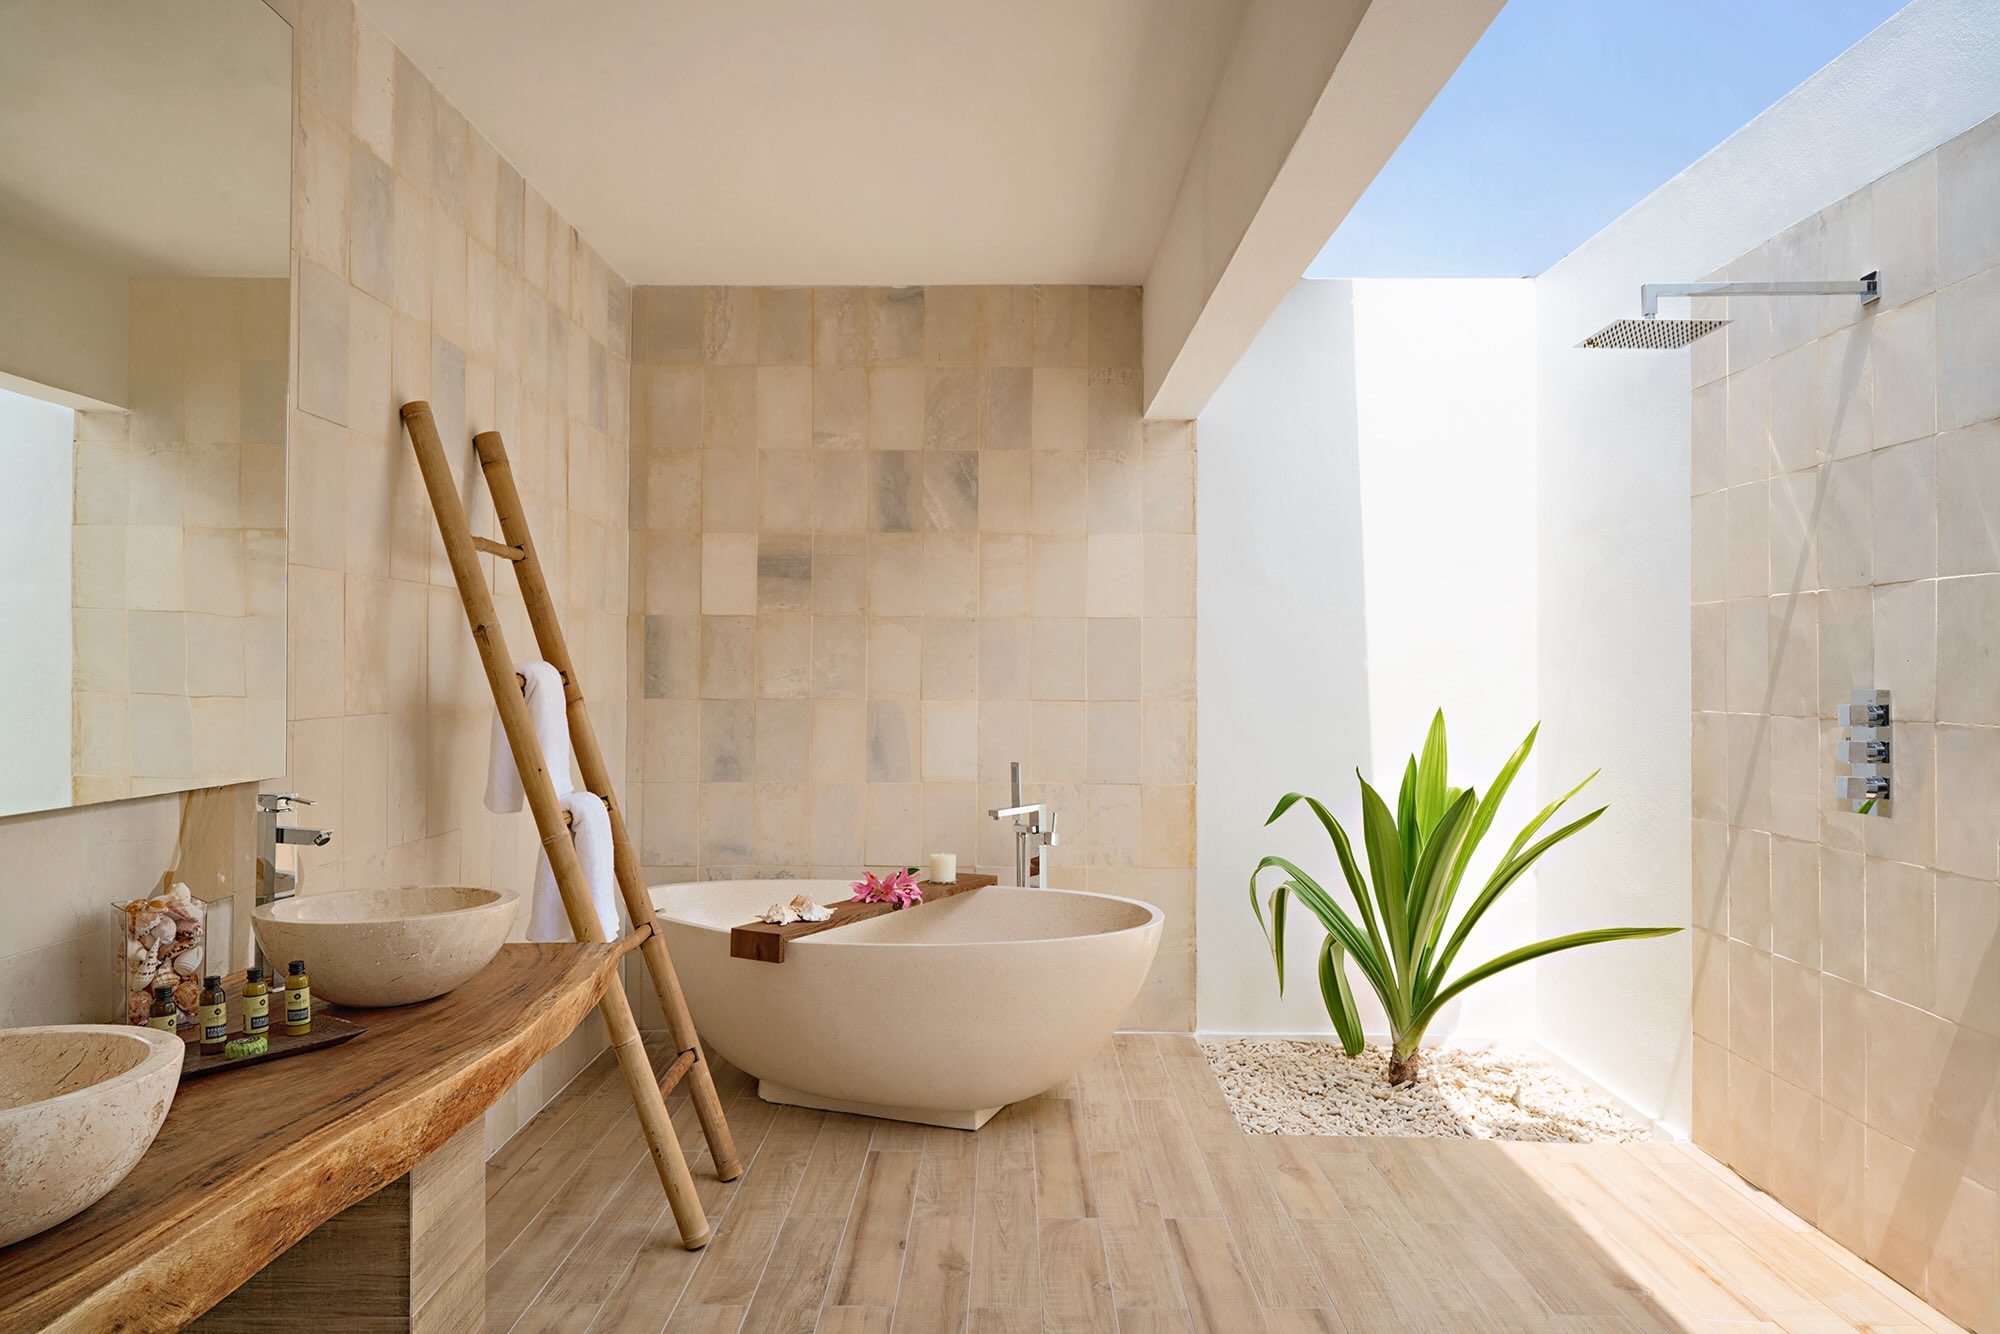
163,942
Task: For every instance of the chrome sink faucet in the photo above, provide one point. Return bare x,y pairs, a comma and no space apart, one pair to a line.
273,884
1034,835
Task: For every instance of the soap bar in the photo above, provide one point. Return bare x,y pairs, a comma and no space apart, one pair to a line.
238,1048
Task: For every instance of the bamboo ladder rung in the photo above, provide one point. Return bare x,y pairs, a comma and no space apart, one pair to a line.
676,1071
491,548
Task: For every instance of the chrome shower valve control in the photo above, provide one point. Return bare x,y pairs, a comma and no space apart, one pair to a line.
1865,750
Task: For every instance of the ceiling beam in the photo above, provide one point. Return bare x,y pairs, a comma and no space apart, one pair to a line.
1314,98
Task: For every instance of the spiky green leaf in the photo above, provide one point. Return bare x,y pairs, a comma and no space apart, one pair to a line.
1339,997
1385,869
1503,876
1431,779
1535,951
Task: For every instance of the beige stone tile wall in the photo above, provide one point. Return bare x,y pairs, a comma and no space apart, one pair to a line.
1846,511
427,268
886,541
178,547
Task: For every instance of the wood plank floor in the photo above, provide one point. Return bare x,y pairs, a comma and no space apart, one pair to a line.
1128,1202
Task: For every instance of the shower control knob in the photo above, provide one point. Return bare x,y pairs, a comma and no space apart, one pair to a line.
1866,708
1862,787
1862,750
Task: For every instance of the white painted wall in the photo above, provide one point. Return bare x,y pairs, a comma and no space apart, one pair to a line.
35,484
1614,526
1366,555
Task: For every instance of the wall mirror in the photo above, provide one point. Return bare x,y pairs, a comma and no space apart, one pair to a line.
145,260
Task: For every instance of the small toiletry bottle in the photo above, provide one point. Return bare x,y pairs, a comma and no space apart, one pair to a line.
256,1004
165,1015
298,1000
214,1014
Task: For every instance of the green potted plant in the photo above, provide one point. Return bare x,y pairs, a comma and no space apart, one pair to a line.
1417,856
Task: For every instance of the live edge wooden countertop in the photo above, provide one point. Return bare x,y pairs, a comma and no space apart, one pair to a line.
251,1160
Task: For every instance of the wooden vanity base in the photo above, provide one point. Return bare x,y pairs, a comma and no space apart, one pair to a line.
411,1257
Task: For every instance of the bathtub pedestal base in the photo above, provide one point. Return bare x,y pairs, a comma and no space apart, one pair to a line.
928,1116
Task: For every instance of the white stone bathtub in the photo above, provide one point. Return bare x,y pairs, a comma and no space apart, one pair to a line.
941,1014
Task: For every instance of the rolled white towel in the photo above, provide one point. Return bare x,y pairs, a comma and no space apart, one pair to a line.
591,828
547,710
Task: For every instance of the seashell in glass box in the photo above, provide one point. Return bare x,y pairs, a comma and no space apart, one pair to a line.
164,941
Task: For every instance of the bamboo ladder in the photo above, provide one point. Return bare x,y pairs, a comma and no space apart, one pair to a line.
517,547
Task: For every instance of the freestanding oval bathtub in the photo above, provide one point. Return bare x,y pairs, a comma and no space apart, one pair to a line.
942,1013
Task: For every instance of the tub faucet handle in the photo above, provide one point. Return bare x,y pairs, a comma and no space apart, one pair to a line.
1050,839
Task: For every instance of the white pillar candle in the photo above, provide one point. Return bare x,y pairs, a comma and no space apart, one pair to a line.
944,868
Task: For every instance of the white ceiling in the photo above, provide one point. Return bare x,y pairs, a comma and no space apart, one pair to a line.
839,141
156,138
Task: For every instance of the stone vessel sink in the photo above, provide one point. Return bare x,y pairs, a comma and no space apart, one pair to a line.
369,948
79,1105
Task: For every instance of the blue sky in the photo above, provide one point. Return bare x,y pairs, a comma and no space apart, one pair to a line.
1569,112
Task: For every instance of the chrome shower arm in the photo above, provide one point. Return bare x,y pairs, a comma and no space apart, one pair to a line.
1650,293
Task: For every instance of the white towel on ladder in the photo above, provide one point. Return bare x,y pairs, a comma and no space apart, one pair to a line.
548,713
590,827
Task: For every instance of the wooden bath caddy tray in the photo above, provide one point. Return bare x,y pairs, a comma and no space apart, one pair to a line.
765,941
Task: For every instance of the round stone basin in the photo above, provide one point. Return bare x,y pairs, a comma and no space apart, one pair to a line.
370,948
79,1105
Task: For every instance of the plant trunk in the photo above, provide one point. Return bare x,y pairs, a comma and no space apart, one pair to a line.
1405,1066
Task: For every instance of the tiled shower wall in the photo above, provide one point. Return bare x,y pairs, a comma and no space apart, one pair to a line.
886,541
1846,510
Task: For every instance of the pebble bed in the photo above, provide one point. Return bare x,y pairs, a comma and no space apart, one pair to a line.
1314,1088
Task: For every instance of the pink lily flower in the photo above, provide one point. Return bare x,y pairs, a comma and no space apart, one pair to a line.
899,890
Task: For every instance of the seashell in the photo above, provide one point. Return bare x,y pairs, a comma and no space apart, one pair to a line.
188,961
134,951
184,912
138,1006
142,974
180,893
806,909
160,930
187,995
778,914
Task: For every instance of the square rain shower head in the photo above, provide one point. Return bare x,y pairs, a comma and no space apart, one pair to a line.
1651,335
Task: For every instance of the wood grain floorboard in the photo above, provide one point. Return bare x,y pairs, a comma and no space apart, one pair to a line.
1076,1290
793,1287
871,1253
734,1259
1006,1246
1137,1255
948,1174
937,1275
1220,1297
1062,1176
1126,1201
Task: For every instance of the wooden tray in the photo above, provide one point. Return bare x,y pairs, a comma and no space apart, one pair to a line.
326,1032
765,941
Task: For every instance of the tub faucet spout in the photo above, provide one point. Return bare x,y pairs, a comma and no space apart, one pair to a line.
1034,834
